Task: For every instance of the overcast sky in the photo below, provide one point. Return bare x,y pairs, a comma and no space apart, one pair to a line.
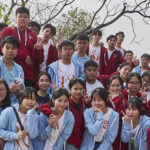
142,30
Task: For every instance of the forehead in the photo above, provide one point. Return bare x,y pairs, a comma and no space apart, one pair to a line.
67,46
145,58
112,39
128,54
22,14
134,78
85,41
47,29
91,67
9,44
120,35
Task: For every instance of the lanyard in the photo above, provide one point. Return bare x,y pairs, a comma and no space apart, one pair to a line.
20,37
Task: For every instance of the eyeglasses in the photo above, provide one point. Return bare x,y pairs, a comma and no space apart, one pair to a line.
134,83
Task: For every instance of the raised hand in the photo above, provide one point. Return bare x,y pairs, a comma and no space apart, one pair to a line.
126,117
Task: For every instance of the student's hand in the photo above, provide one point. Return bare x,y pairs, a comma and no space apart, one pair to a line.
101,44
126,117
13,87
53,121
21,135
86,97
28,60
53,85
19,87
35,106
112,95
136,61
92,57
12,26
39,44
96,109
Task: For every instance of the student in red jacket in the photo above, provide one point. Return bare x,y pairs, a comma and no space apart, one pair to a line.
124,70
117,102
120,38
27,41
112,58
45,53
95,50
77,105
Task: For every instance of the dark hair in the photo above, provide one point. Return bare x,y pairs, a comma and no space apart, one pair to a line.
128,51
34,23
146,73
136,103
113,78
46,74
53,29
73,81
91,63
58,93
10,39
125,64
96,31
3,25
146,55
111,37
6,102
27,93
120,32
82,36
66,43
102,93
21,10
133,74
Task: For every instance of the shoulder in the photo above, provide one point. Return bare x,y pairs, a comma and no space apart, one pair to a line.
18,66
54,64
89,111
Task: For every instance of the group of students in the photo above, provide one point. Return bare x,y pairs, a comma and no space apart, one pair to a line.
94,98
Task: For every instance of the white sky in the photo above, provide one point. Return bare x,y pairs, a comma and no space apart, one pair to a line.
142,30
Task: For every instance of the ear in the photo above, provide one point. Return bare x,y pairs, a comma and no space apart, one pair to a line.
53,101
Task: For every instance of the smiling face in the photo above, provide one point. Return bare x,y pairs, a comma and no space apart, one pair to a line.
98,102
132,112
47,34
22,20
29,103
76,92
3,92
145,81
44,83
115,86
125,71
60,104
134,84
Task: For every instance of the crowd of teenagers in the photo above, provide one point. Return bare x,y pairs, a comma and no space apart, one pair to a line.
66,97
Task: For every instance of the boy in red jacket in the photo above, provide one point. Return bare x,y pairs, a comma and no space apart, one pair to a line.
112,58
45,53
27,40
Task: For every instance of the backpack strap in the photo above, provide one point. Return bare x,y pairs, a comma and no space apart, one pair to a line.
18,119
